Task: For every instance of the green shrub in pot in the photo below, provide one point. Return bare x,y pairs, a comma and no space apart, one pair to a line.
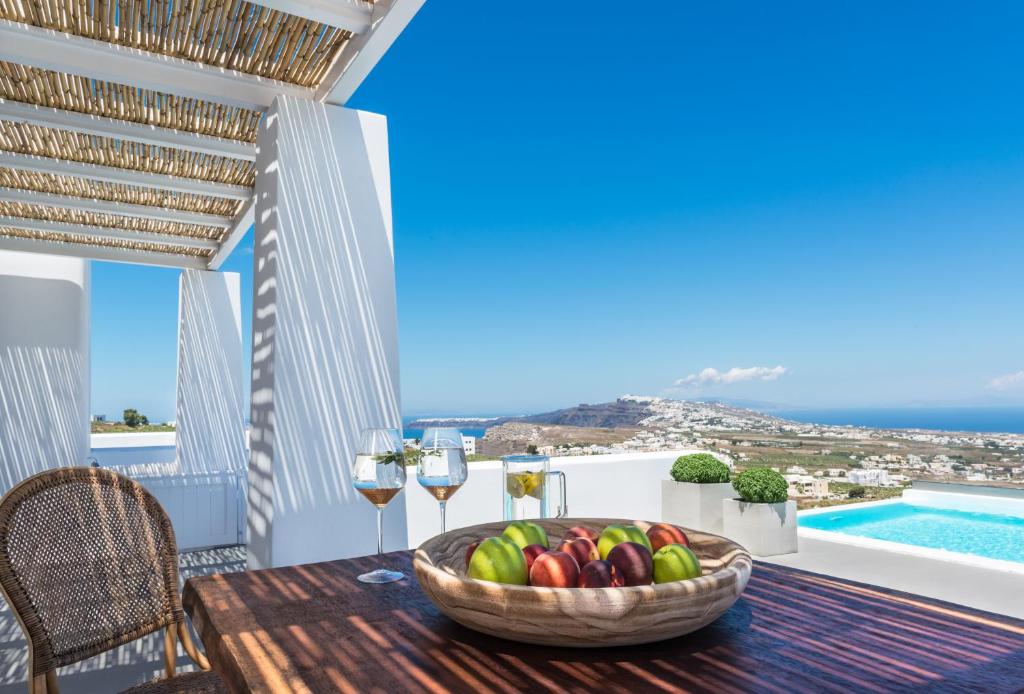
761,485
700,468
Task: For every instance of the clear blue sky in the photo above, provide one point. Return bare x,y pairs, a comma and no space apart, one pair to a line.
609,201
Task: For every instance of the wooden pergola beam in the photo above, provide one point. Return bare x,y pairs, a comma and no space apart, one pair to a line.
164,214
125,130
113,174
47,226
364,51
91,252
241,223
351,15
74,55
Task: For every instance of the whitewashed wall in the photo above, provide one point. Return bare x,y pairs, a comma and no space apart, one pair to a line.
626,485
44,364
210,417
202,506
325,331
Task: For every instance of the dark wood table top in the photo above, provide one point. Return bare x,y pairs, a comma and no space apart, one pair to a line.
314,628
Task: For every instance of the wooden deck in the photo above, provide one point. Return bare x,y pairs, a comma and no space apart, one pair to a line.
314,628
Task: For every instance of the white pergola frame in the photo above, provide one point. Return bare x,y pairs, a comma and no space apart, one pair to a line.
375,27
164,214
17,112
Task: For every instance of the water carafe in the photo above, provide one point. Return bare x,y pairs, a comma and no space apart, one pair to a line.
527,488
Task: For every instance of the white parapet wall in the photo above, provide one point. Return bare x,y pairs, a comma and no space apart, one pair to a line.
620,485
44,364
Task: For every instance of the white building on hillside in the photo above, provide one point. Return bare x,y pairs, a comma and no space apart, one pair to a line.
874,477
469,444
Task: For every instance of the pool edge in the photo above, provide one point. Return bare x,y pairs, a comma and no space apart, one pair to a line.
913,550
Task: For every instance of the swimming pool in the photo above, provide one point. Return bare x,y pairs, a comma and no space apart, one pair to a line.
980,534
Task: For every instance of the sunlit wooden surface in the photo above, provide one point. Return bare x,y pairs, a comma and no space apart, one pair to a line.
314,628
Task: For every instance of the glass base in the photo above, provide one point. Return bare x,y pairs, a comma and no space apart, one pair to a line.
382,576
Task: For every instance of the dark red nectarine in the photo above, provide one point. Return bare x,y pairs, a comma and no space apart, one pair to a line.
633,562
663,534
554,569
531,552
599,574
581,549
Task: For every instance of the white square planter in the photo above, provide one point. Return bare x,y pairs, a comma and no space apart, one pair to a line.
763,529
697,506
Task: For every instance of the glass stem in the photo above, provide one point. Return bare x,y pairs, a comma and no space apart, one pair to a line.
443,503
380,531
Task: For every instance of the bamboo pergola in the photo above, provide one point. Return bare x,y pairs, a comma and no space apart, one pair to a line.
128,129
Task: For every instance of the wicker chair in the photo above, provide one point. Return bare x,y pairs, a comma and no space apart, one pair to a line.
88,562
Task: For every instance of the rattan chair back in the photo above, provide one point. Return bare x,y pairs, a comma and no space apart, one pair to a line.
88,562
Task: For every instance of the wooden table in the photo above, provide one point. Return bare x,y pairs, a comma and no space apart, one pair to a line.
314,628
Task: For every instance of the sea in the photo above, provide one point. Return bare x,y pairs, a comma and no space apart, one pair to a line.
1006,420
414,433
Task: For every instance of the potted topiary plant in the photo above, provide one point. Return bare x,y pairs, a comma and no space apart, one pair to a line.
693,497
763,520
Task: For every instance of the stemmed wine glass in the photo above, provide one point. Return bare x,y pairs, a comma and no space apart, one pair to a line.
442,469
378,473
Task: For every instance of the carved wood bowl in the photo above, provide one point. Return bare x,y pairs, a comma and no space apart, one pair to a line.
581,617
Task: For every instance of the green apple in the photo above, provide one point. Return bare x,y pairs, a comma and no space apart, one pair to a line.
617,534
525,533
675,563
500,561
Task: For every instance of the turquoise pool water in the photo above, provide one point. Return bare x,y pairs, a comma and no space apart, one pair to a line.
982,534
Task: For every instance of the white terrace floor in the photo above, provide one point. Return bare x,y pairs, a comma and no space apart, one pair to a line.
121,668
981,588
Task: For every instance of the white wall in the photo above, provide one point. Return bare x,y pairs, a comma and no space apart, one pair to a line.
44,364
626,485
210,419
325,334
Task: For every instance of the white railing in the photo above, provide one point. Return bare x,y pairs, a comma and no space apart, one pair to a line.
206,509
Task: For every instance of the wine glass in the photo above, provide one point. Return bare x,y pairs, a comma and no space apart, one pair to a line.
442,469
378,473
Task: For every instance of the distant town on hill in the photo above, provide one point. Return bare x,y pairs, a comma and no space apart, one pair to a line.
849,456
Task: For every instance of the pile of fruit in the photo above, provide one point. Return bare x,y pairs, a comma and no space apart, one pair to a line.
619,555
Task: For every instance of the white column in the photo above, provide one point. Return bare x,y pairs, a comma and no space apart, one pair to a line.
325,334
44,364
210,420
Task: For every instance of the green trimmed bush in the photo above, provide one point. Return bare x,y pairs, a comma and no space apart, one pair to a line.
702,468
856,492
761,485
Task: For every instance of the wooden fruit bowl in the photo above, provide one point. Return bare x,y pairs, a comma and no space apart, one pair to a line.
581,617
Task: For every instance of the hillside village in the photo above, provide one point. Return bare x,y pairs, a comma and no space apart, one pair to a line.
819,461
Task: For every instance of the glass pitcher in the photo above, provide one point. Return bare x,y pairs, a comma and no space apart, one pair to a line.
526,489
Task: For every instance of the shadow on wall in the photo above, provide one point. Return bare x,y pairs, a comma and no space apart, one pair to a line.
43,422
325,357
210,420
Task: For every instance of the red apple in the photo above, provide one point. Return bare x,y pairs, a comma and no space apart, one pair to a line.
581,549
581,531
554,569
599,574
633,562
663,534
531,552
470,550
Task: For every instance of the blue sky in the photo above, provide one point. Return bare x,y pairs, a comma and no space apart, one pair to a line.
610,202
